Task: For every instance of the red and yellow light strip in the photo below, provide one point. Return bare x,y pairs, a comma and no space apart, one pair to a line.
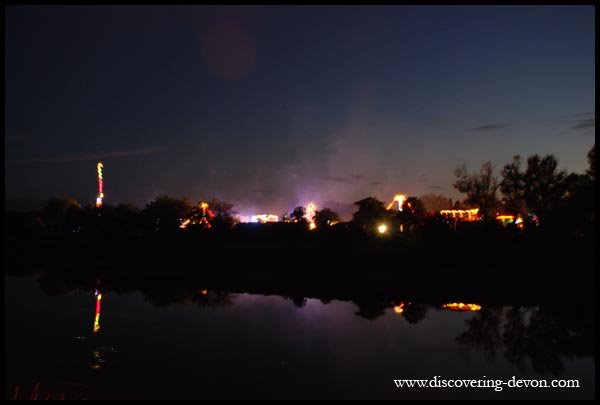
97,315
100,197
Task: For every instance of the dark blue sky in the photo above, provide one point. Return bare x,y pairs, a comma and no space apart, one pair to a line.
270,107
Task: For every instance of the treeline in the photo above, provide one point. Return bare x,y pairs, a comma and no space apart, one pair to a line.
562,201
547,199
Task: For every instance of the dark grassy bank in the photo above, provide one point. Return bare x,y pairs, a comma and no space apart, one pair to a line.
508,270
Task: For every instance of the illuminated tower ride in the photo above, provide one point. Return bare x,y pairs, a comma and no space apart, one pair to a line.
100,197
311,211
399,198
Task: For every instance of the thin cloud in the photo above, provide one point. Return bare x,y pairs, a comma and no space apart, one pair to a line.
586,123
336,179
94,155
585,114
488,127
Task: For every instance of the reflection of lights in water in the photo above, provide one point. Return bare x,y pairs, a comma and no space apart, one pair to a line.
459,306
399,308
99,352
97,315
382,228
97,360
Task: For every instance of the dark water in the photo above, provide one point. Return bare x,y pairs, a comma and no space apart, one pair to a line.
219,345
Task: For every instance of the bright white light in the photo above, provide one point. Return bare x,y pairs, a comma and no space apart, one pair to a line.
264,218
311,210
382,228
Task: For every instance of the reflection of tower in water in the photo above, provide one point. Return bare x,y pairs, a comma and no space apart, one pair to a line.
98,307
98,350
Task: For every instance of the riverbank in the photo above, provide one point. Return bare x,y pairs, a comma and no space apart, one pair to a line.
516,272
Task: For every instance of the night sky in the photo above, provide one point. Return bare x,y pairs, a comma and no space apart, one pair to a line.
272,107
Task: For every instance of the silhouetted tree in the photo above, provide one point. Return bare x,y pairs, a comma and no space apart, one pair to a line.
543,184
165,213
163,296
543,337
483,332
298,213
437,228
575,214
223,214
298,301
370,214
413,214
127,217
544,353
324,217
23,224
591,171
371,309
414,313
512,187
213,299
61,214
480,188
514,336
434,203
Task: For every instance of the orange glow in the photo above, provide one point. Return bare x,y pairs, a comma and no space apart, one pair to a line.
203,292
505,217
206,215
312,226
399,198
399,309
459,306
382,228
